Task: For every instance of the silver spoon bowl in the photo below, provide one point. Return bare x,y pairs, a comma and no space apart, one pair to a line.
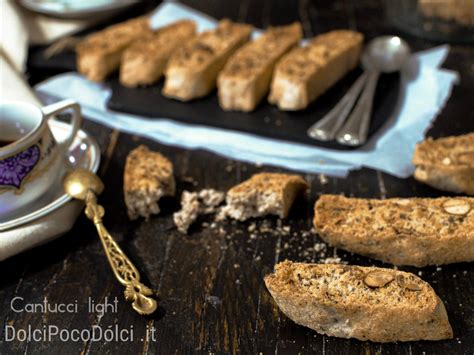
386,54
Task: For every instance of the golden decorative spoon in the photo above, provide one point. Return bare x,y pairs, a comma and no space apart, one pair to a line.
83,185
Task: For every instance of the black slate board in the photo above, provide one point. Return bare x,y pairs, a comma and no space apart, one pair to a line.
266,120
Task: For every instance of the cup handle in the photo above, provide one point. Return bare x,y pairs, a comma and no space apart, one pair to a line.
76,120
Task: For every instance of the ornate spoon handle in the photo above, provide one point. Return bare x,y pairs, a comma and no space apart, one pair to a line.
125,272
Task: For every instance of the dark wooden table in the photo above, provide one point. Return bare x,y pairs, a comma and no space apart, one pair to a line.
210,283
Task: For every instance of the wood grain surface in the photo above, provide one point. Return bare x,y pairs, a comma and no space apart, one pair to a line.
210,282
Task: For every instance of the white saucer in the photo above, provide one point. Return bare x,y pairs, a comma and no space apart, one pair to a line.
77,9
84,153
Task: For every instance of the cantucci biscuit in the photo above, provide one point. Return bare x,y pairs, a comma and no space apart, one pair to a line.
148,176
401,231
144,62
99,54
365,303
246,77
192,70
446,163
306,72
263,194
194,204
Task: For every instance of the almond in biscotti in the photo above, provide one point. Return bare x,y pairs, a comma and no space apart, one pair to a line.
446,163
408,231
148,176
264,194
144,61
245,79
457,207
336,300
378,278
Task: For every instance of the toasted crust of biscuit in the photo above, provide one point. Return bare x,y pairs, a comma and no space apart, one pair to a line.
306,72
245,79
148,176
144,62
337,300
446,163
263,194
100,53
401,231
192,69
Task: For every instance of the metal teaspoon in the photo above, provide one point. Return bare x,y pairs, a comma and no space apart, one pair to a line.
83,185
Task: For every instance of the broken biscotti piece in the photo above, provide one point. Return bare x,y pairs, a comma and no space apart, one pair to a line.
144,62
193,68
148,176
99,54
366,303
306,72
401,231
263,194
246,77
195,203
459,11
446,163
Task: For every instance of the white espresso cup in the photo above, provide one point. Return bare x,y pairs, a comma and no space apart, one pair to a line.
31,160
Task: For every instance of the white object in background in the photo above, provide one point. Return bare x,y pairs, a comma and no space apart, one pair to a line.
12,85
18,29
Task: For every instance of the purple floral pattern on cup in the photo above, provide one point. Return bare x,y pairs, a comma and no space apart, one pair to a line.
14,169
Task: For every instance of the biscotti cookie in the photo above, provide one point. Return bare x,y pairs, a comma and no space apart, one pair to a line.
193,68
460,11
401,231
246,77
194,204
148,176
306,72
446,163
99,54
144,62
366,303
263,194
